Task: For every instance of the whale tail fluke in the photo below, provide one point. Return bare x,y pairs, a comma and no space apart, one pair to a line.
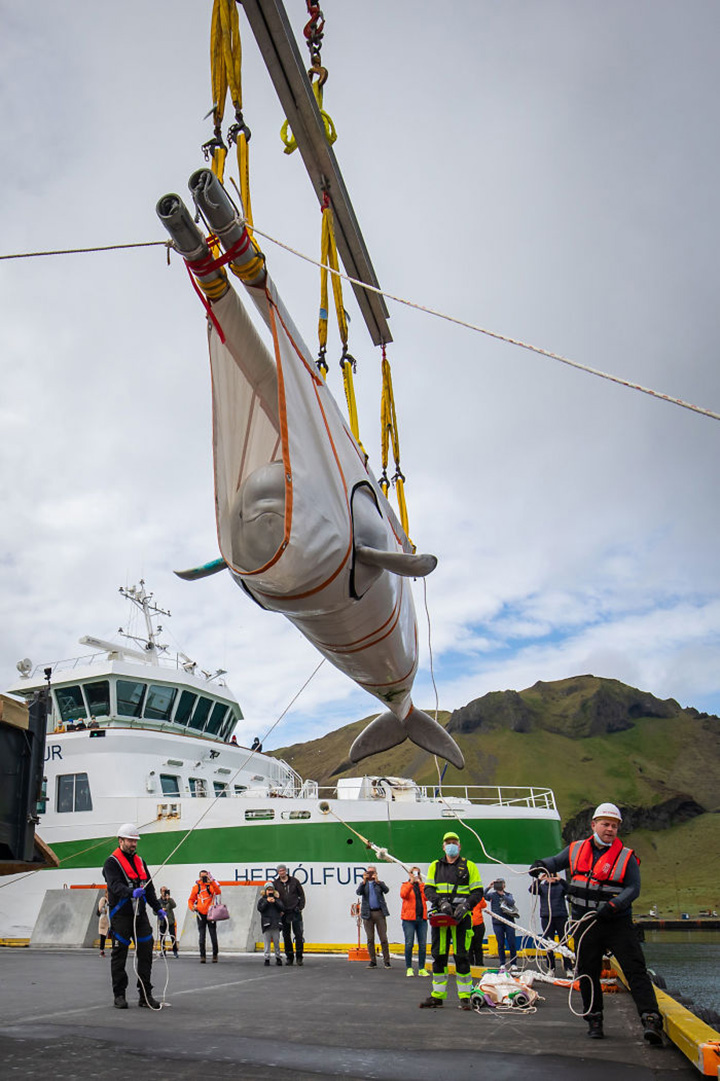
431,736
384,732
388,731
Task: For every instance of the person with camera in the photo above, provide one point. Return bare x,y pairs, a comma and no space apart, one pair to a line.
374,912
502,903
130,890
414,920
453,887
292,896
167,927
271,911
202,897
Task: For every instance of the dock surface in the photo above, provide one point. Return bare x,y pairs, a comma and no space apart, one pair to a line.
331,1018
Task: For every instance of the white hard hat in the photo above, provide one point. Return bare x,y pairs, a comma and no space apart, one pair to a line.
607,810
128,832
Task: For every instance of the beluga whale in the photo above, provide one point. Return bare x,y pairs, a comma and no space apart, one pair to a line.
303,526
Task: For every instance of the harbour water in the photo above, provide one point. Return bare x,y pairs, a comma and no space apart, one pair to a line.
689,961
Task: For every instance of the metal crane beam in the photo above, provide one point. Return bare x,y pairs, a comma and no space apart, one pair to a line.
273,33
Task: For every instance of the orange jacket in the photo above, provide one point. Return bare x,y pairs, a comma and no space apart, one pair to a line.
477,912
203,895
409,908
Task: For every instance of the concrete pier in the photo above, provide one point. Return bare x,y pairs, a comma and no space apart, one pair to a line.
332,1018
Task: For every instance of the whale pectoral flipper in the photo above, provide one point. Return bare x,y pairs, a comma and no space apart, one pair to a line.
194,573
384,732
402,563
431,736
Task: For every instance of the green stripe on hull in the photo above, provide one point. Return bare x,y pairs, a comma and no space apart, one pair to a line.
512,841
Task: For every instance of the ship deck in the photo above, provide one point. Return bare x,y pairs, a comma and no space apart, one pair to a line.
330,1018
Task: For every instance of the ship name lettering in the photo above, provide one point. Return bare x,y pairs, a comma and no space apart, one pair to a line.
300,870
328,872
241,876
359,872
313,882
52,752
341,880
256,874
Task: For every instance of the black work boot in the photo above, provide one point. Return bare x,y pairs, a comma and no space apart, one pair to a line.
120,1002
149,1002
431,1003
595,1026
652,1028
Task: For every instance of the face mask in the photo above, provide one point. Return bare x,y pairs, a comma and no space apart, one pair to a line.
452,850
603,844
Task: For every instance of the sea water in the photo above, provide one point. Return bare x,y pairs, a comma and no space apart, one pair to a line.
689,961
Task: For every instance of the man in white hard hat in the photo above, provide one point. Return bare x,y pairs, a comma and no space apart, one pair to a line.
604,881
130,888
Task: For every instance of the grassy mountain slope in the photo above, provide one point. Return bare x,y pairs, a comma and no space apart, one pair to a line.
589,739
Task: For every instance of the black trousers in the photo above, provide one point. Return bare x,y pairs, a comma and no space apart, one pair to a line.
124,929
204,925
551,926
616,936
292,924
475,953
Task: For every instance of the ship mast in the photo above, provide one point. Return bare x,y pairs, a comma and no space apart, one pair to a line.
143,600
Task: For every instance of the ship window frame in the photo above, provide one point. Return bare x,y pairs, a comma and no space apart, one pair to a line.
220,789
295,816
140,706
259,814
238,789
193,696
79,793
64,690
198,787
199,706
170,777
221,707
95,711
160,714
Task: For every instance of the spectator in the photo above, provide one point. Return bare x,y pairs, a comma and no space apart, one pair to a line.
271,911
292,896
168,926
202,896
103,921
256,745
553,913
374,912
234,740
475,952
414,920
502,904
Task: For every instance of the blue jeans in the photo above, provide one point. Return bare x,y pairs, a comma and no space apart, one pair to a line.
411,929
505,937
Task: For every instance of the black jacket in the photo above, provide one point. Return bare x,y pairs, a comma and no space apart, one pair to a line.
291,893
270,913
120,890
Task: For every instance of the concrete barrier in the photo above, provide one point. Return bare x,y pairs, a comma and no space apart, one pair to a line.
67,918
238,934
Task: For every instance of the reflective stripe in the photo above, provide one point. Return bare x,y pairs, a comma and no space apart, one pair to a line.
588,886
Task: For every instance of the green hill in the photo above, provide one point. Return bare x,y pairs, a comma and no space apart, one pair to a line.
589,739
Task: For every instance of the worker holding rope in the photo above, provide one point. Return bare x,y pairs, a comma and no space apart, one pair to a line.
453,887
130,889
604,881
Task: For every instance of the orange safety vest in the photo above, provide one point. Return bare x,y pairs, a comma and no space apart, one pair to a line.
592,883
133,871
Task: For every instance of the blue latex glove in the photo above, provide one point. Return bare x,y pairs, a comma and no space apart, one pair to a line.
139,892
162,914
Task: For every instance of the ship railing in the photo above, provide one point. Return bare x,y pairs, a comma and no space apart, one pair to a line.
490,795
288,783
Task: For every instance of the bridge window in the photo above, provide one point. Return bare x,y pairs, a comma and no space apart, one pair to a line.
130,697
98,698
185,705
159,702
216,717
70,703
73,793
201,713
170,784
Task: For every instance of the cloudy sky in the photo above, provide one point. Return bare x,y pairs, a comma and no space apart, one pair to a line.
545,169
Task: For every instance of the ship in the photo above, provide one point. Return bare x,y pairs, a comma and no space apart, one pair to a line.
137,734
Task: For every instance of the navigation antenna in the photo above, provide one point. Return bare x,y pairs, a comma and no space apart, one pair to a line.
143,600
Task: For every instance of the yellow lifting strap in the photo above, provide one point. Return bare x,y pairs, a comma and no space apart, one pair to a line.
390,434
226,74
286,134
329,259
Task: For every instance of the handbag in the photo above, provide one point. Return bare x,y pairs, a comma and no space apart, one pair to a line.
218,911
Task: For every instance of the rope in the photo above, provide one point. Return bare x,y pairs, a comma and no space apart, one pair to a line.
390,434
410,304
500,337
